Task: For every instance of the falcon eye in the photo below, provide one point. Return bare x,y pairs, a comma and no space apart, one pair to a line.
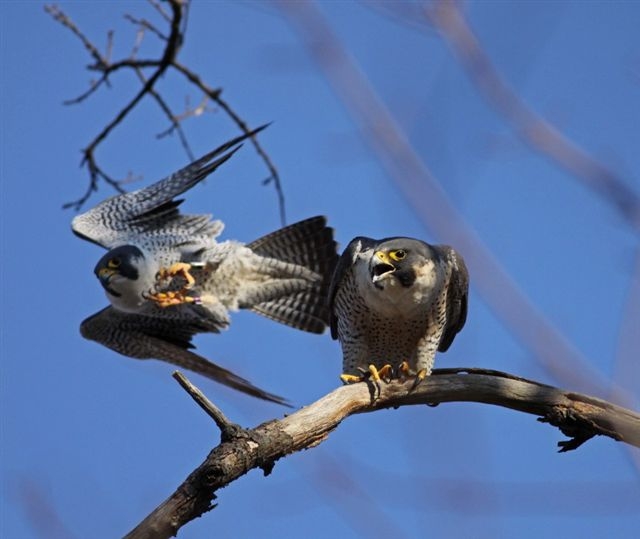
398,255
114,263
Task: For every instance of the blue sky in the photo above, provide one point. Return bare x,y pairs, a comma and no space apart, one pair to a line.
92,441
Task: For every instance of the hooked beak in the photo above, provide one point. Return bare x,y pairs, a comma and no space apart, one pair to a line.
380,266
105,275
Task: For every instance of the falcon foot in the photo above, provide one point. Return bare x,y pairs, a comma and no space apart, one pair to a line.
372,373
170,299
179,269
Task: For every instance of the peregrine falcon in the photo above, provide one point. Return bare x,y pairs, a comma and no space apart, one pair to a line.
167,278
393,303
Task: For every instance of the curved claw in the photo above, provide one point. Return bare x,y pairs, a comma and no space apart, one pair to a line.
371,372
178,269
169,299
420,375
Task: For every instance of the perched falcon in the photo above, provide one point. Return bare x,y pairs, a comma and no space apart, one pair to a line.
167,277
394,302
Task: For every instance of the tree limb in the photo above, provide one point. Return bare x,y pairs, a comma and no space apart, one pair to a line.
578,416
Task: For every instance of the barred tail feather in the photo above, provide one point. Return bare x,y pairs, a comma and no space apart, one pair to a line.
310,244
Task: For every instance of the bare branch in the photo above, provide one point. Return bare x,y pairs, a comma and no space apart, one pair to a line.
173,118
158,7
144,23
215,96
63,19
172,45
579,416
228,429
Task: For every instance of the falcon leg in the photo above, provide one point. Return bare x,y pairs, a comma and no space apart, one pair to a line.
372,372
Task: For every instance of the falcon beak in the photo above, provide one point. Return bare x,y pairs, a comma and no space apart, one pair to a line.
380,265
105,274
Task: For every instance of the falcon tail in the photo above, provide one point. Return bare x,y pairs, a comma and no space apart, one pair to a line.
310,244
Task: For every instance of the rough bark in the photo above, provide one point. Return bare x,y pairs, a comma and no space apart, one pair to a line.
578,416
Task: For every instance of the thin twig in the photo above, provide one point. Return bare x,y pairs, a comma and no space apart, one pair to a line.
227,428
174,120
144,23
215,95
63,19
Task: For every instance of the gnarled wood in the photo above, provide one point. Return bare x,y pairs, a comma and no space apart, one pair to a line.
578,416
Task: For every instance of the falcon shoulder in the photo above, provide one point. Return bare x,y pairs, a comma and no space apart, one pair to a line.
152,208
147,337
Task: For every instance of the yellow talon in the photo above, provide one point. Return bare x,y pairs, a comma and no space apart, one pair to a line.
350,378
386,371
404,368
421,375
169,299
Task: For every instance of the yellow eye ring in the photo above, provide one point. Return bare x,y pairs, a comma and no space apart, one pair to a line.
398,254
114,263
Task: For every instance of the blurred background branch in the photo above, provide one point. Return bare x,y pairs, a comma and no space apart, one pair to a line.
423,192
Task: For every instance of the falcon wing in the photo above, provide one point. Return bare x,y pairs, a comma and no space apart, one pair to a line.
153,208
457,295
345,263
145,337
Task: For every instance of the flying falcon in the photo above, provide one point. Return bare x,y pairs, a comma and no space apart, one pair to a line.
395,302
167,278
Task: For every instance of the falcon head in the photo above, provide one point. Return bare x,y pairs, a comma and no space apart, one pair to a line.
400,261
397,275
124,274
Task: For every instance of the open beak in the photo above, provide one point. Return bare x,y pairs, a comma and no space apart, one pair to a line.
380,266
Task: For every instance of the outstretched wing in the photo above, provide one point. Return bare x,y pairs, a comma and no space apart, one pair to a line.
345,263
457,295
145,337
153,209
